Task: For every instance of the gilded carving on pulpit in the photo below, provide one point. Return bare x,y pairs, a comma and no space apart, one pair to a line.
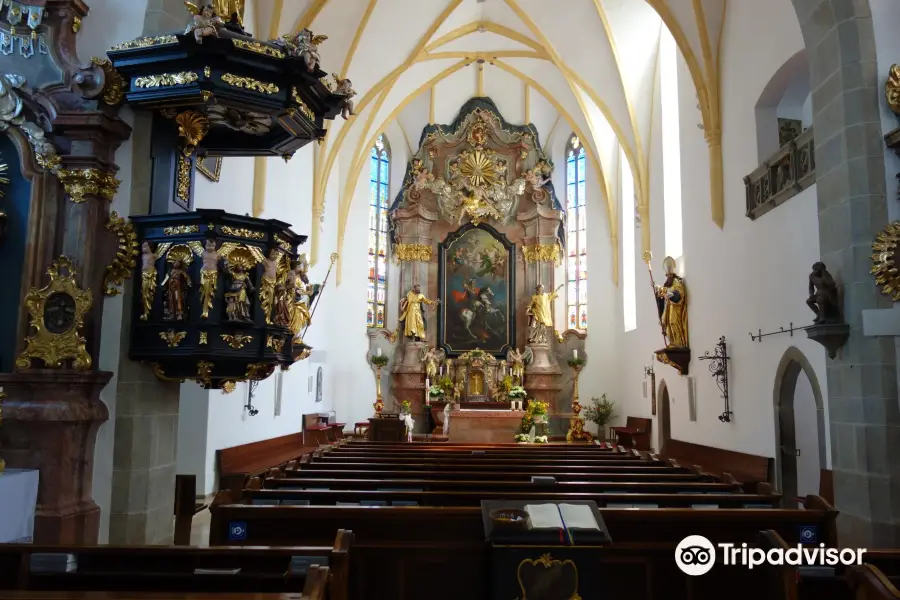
540,314
209,276
148,280
268,282
205,22
412,314
176,286
477,275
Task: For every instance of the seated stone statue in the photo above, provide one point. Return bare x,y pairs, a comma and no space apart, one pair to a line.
823,296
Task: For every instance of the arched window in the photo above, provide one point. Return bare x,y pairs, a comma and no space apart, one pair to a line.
379,180
576,238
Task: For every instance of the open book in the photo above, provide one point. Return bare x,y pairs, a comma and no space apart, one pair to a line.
561,516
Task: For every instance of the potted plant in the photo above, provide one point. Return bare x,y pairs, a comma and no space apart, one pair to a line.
435,392
576,362
516,395
601,411
538,411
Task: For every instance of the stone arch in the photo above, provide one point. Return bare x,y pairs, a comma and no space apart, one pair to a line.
664,415
785,95
792,363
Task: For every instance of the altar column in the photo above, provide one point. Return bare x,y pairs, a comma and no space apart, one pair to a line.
541,252
414,250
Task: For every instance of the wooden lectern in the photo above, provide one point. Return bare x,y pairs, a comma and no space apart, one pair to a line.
387,428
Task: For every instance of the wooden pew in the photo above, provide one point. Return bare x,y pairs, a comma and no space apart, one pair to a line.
474,498
175,568
316,582
236,464
549,469
654,474
869,583
501,486
635,433
745,467
413,547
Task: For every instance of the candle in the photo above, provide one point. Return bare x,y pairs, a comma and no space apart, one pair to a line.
575,354
378,352
441,371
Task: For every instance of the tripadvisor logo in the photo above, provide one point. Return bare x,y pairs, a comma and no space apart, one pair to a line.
696,555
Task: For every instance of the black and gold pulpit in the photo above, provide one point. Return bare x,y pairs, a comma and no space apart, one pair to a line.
533,563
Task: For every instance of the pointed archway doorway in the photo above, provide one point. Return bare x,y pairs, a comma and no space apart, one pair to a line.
799,427
664,414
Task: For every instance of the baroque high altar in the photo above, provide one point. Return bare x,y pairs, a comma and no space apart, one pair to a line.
477,230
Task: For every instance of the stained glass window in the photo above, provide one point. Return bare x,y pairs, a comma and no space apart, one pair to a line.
576,236
379,180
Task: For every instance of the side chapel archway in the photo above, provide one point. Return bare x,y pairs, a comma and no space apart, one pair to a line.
664,413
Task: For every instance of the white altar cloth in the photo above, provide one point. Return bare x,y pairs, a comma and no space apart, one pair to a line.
18,497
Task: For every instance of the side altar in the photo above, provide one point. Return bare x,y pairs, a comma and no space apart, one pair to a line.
477,230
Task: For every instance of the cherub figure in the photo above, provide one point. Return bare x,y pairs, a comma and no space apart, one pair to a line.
534,180
204,22
422,177
305,45
344,87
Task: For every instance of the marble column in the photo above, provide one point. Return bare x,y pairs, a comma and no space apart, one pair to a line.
416,254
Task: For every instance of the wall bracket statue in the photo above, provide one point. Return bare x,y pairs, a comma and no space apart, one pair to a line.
671,302
828,327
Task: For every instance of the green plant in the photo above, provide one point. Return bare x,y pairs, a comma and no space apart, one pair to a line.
435,391
575,362
379,360
601,411
537,408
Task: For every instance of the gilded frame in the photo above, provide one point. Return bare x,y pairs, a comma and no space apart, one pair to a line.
212,172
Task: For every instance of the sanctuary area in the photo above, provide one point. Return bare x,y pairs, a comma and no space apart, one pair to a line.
336,298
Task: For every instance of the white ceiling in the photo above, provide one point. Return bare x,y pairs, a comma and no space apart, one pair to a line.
590,62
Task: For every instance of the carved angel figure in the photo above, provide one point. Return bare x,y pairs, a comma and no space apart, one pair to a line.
432,357
422,177
344,88
10,102
517,360
204,21
176,285
534,180
148,279
303,44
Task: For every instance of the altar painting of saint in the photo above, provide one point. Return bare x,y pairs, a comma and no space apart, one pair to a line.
476,291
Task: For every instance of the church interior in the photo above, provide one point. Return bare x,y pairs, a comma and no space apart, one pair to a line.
297,300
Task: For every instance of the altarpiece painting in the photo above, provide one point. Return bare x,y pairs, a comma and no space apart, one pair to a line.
476,283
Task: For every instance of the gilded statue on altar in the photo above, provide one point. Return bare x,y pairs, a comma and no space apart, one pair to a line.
412,313
540,314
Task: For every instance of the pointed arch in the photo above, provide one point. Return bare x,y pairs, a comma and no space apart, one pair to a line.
576,235
379,192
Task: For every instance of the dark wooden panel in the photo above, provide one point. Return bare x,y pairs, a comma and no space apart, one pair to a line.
747,468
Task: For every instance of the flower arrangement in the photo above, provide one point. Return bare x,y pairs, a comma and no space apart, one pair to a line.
506,384
538,408
446,385
435,391
405,407
541,439
576,363
601,411
522,438
517,392
379,360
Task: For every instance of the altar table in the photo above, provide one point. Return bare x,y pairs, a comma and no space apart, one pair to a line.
485,426
18,496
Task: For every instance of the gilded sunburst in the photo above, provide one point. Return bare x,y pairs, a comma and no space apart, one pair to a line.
478,167
884,260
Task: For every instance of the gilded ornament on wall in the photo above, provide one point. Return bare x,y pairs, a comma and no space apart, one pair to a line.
79,183
413,252
542,253
126,255
892,89
884,261
57,315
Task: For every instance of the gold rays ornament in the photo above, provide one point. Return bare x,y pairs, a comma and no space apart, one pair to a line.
884,261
